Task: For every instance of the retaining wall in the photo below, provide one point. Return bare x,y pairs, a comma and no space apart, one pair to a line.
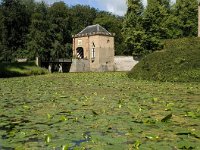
124,63
80,65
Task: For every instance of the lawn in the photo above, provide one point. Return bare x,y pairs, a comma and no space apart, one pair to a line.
98,111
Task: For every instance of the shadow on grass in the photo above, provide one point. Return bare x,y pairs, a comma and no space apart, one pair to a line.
8,70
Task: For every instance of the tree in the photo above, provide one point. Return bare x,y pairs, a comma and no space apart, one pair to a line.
186,12
1,30
138,41
132,28
60,30
14,27
173,25
82,16
113,24
39,41
155,15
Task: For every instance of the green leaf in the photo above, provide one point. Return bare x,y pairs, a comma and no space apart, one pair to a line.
137,144
63,118
191,114
48,138
65,147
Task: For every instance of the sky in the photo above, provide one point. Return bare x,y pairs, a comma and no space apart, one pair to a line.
117,7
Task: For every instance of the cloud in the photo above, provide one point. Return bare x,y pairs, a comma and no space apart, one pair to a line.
117,7
47,1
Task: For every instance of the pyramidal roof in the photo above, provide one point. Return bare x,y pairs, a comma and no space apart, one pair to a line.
94,28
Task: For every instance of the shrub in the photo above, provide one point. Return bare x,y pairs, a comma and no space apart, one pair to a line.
178,61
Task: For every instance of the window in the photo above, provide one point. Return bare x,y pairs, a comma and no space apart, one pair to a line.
93,51
80,53
79,42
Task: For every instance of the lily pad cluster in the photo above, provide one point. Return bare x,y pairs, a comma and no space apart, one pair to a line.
98,111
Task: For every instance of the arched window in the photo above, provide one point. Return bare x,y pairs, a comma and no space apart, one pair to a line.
80,53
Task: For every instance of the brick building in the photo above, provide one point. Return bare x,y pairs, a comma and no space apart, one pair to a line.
94,48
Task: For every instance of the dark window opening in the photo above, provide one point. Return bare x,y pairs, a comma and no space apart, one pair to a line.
80,53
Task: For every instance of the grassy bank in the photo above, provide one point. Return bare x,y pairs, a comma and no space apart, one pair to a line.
179,61
98,111
20,69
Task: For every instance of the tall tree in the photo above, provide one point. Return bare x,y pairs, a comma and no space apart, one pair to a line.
137,40
15,22
132,28
155,15
187,14
113,24
173,25
82,16
1,30
59,18
39,40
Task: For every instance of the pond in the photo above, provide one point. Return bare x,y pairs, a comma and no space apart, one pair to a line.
97,111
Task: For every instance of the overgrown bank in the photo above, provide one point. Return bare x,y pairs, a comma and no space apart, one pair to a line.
20,69
178,61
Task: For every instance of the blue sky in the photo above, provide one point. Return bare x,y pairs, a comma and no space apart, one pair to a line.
117,7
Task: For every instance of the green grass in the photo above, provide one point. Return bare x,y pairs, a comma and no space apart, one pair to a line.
178,62
98,111
20,69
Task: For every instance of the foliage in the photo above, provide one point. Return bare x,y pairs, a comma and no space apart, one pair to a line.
132,28
186,12
20,69
29,28
15,20
139,41
97,111
82,16
182,20
59,29
155,15
39,37
179,61
47,29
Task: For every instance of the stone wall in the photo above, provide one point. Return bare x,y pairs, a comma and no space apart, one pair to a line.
121,63
124,63
80,65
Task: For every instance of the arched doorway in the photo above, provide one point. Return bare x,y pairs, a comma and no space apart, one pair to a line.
80,53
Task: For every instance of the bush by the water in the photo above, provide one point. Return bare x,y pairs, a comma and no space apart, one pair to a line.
20,69
178,61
